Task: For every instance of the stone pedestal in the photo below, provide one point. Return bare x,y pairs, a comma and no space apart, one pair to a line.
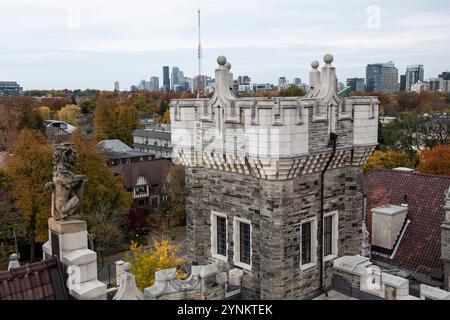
69,241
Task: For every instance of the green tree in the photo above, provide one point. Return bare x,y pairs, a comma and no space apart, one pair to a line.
87,106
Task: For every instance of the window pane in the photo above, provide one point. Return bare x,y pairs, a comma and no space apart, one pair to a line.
306,243
221,236
244,233
327,238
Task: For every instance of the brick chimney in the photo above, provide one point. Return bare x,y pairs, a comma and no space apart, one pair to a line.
387,223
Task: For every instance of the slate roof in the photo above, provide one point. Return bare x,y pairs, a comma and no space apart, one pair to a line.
154,171
421,242
153,133
36,281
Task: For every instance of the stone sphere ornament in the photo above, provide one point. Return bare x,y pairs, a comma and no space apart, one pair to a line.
221,60
315,64
328,58
228,65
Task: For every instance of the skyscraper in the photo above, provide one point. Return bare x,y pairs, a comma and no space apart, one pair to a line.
282,81
166,79
382,77
414,74
402,82
116,86
154,84
175,77
356,84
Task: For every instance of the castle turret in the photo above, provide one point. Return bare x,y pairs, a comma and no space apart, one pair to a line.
274,184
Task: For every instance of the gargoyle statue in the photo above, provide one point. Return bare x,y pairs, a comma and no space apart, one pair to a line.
66,187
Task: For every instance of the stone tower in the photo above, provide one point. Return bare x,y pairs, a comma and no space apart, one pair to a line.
274,184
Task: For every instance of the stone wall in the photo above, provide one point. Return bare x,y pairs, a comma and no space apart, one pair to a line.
445,252
276,210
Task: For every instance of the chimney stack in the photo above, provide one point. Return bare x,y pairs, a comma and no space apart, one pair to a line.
387,223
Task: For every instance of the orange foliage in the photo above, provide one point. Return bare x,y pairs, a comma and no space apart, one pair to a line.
436,160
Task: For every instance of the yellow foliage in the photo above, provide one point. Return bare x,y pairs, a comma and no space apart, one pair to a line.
167,116
387,160
45,112
69,114
146,262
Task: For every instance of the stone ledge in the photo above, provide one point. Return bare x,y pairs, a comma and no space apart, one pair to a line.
91,290
66,226
79,257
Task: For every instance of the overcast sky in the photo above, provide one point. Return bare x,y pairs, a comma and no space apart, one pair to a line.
91,43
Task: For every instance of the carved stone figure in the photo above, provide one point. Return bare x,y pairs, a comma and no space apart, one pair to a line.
66,187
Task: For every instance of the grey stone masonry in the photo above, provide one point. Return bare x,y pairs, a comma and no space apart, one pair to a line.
262,161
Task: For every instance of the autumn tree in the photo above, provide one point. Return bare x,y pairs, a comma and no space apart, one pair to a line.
127,121
69,114
28,170
29,117
9,119
87,106
45,112
105,202
291,91
176,210
105,118
11,219
435,161
144,262
387,160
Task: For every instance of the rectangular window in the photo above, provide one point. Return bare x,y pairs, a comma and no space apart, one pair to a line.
221,225
242,239
328,235
306,243
244,244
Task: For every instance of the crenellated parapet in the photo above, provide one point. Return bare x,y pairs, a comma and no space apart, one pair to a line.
274,138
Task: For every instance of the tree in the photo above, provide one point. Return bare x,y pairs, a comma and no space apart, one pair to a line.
69,114
127,121
28,170
144,263
45,112
87,106
435,161
29,117
105,198
292,91
105,118
387,160
176,209
9,119
11,220
166,116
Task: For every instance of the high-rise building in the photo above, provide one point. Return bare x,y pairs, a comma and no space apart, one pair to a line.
203,83
282,81
10,89
244,80
175,77
413,75
402,82
382,77
154,84
356,84
297,81
166,79
116,86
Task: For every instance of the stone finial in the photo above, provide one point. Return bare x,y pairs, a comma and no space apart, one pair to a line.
328,58
315,64
13,262
228,65
221,60
127,287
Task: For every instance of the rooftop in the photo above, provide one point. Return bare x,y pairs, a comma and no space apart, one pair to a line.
421,243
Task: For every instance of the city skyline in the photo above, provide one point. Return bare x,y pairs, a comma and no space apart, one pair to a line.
53,45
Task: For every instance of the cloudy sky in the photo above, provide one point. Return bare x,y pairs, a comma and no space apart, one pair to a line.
91,43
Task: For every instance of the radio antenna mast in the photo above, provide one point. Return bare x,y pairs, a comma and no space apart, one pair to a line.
199,59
